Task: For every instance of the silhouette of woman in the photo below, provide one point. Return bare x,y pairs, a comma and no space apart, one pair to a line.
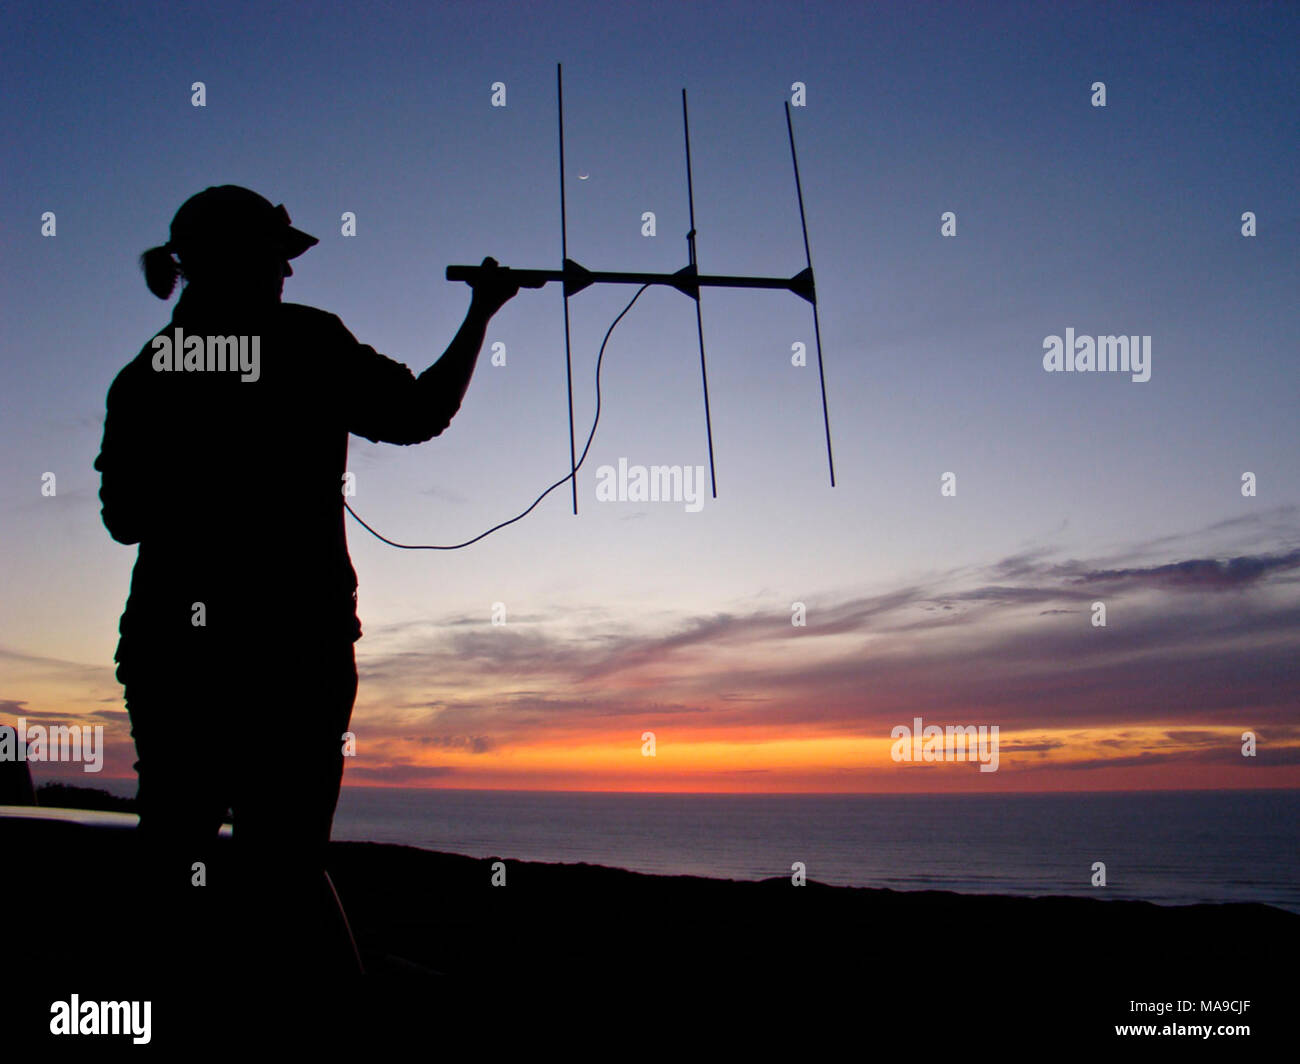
223,458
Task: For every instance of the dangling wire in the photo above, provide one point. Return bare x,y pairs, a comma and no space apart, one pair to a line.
567,477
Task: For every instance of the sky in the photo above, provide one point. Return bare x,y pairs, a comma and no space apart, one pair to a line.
973,608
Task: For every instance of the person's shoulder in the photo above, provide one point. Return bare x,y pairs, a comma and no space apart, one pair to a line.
301,316
305,313
323,330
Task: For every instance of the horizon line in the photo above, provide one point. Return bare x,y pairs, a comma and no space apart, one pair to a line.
764,794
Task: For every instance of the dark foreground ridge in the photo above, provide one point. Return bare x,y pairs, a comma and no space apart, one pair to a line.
579,944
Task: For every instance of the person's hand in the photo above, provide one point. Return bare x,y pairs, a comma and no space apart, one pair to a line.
493,287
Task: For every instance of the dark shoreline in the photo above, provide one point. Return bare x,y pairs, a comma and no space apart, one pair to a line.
570,940
1063,966
371,876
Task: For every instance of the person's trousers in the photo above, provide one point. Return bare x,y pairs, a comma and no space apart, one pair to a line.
256,731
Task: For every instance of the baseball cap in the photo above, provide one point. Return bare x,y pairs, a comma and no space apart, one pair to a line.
226,216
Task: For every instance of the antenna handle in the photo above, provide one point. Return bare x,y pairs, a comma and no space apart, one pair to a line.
526,278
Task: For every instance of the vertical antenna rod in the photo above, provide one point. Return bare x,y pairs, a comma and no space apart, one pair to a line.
693,267
564,262
817,330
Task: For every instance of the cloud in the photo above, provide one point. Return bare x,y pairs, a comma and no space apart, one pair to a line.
1194,643
444,495
475,744
1016,565
397,774
1202,574
33,665
1229,753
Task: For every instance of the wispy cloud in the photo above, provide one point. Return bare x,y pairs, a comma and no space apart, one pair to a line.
1190,640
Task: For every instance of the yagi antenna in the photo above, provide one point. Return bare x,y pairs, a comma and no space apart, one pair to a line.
688,280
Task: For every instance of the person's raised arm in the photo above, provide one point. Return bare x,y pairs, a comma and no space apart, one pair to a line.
390,405
492,291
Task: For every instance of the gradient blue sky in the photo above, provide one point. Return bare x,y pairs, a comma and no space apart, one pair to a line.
1124,219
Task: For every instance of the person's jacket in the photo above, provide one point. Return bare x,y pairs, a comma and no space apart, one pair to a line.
233,488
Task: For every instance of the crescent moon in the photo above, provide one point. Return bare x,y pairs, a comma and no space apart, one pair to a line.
583,177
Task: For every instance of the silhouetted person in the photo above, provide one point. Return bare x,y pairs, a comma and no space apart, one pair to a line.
236,649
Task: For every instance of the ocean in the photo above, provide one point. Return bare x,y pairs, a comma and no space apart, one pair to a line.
1166,847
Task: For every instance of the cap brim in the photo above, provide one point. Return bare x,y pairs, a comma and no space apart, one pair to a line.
295,242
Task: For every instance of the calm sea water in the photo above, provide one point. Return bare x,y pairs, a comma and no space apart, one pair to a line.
1179,847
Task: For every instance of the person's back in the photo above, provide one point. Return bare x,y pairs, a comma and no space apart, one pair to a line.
237,485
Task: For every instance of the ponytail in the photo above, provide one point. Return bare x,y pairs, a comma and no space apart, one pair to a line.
160,270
